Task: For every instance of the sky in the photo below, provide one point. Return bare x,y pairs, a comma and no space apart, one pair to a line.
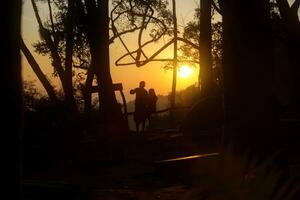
130,76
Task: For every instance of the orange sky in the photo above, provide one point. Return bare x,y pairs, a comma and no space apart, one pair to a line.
130,76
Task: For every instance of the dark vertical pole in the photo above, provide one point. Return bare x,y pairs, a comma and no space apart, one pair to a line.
173,94
205,73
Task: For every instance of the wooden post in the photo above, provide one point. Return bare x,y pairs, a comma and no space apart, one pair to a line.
116,87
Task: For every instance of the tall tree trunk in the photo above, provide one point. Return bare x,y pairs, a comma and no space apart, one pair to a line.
173,93
205,73
68,73
249,98
37,70
56,60
109,106
11,86
98,36
87,87
291,25
85,20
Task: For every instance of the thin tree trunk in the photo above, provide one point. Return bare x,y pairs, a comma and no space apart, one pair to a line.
173,93
85,20
205,73
37,70
87,89
109,106
98,37
68,73
291,25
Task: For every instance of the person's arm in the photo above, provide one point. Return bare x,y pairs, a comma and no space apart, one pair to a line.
132,91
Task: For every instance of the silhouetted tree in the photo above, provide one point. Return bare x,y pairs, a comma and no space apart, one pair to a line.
96,22
37,70
99,47
205,37
191,33
250,104
11,122
52,41
290,26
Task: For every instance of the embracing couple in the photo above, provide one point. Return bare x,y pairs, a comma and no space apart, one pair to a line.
145,105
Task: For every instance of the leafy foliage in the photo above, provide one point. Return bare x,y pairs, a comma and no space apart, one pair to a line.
188,52
55,24
192,32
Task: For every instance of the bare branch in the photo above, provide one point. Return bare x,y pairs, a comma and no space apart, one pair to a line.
36,12
69,40
115,31
147,60
52,22
145,22
47,37
188,42
144,62
160,60
146,43
117,34
39,73
144,25
216,7
81,67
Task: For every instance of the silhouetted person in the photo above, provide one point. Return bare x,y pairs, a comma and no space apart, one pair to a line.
152,99
141,99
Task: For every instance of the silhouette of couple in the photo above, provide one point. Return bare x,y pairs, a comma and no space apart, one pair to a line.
145,105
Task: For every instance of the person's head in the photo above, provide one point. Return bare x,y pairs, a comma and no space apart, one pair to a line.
142,84
152,92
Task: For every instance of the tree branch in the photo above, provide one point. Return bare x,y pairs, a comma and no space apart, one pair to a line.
117,34
140,50
69,40
52,23
144,62
216,7
47,37
188,42
37,70
159,60
36,12
147,60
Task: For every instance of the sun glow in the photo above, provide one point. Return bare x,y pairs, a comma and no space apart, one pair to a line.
185,71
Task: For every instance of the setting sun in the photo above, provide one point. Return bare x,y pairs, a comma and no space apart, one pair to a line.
185,71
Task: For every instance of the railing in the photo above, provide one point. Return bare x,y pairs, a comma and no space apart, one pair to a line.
164,110
119,87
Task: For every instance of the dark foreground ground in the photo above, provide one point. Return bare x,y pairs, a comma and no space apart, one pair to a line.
156,165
